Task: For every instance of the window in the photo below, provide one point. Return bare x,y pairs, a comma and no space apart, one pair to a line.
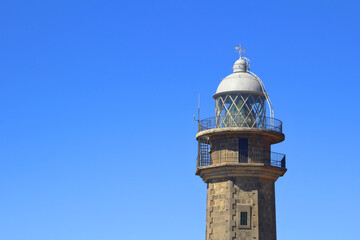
243,150
243,218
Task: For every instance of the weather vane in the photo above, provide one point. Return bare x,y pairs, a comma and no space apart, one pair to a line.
239,49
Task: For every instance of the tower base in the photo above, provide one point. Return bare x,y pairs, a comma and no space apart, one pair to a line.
241,208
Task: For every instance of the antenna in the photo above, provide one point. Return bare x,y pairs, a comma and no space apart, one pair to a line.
198,116
199,107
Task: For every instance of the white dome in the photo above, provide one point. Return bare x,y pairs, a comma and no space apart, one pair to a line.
239,81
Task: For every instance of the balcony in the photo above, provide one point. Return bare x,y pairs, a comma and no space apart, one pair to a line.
253,157
239,121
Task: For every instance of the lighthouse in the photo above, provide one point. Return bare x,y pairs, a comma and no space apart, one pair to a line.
235,159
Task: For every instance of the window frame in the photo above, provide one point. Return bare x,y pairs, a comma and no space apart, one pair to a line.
242,209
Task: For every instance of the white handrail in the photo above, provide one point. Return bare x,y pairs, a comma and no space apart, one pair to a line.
266,97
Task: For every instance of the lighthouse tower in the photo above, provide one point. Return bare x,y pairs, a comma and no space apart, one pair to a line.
236,161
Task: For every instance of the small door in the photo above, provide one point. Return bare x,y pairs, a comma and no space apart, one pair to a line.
243,150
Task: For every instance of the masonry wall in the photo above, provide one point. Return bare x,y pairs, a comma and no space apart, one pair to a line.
225,149
267,225
228,197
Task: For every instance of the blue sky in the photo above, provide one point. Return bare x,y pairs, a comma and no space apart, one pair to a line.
97,138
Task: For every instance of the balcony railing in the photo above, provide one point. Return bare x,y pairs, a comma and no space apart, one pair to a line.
239,121
248,156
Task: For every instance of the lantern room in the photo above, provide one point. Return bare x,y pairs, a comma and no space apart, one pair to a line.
240,99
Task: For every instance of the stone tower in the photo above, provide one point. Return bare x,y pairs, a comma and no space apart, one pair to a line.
236,161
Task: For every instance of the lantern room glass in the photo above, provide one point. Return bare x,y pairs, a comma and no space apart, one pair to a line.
240,110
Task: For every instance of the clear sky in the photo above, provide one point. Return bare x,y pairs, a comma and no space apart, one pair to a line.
97,137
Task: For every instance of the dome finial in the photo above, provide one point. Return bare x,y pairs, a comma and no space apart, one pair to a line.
240,50
242,64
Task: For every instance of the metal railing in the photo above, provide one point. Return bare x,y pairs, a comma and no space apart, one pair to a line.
245,156
239,121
